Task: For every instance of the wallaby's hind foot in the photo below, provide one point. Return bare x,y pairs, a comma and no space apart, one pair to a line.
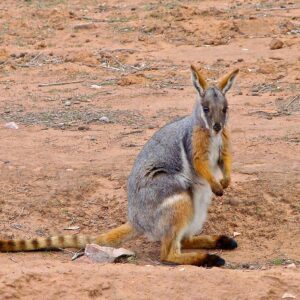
209,242
226,243
195,258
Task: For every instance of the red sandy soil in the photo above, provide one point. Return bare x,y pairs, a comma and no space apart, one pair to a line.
63,167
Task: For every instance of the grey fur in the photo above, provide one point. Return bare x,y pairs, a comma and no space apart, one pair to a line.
158,170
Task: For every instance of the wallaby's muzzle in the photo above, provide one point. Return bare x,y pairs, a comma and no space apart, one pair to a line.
217,127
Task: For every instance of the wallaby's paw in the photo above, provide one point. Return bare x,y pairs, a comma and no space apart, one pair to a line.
225,182
213,260
226,243
217,189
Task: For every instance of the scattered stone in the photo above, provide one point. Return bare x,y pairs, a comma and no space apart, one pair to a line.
151,127
96,86
235,233
68,103
83,127
276,44
291,266
104,119
85,26
240,59
106,254
275,58
11,125
234,202
91,138
254,94
41,45
288,296
106,286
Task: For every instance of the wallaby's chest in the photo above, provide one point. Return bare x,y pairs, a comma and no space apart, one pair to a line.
214,150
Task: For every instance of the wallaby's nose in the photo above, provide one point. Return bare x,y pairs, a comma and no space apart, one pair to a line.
217,127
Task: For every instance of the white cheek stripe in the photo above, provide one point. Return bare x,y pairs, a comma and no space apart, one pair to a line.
203,117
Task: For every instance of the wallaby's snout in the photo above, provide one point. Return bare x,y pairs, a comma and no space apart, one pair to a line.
217,127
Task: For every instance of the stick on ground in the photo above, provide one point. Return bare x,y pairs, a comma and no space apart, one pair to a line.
59,83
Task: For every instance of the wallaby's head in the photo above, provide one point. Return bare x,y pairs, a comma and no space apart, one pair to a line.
212,107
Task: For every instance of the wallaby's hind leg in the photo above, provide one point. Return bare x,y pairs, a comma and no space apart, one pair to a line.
209,242
181,213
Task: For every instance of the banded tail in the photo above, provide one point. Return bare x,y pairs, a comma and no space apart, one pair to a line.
111,238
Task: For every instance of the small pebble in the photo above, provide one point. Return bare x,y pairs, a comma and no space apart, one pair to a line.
291,266
68,103
85,26
11,125
83,127
104,119
276,44
105,286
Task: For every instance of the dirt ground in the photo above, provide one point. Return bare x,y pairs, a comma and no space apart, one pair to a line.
67,163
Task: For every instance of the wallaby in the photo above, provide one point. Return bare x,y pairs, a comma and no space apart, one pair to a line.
171,184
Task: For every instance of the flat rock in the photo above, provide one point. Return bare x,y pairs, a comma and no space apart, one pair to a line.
102,254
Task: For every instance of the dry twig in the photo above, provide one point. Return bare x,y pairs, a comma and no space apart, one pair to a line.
59,83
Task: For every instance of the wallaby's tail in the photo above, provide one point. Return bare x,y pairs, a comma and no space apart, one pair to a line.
112,238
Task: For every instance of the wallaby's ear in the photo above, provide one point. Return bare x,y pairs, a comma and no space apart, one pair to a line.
198,80
227,81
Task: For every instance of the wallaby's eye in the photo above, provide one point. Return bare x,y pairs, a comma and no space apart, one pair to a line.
224,110
206,109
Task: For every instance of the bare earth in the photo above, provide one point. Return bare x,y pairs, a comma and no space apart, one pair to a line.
65,168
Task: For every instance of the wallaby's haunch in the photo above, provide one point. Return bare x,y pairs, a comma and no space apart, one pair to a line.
171,185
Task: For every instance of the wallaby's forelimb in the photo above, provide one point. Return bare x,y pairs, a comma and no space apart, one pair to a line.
201,142
226,159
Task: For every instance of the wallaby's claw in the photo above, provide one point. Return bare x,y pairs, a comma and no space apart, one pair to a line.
213,260
217,189
225,182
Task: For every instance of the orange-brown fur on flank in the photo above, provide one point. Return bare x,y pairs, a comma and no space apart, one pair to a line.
200,144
